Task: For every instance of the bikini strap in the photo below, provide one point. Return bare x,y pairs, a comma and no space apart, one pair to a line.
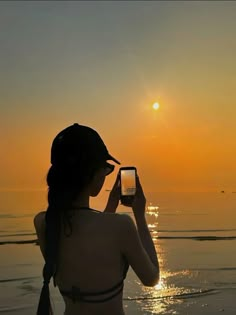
77,295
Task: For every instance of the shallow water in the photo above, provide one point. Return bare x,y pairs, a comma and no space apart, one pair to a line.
194,234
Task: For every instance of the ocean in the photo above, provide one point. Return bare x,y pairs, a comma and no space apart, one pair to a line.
195,238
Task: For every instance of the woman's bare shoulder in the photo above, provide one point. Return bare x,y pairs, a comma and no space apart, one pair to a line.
39,219
117,219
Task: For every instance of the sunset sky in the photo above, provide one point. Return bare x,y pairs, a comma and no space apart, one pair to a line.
104,64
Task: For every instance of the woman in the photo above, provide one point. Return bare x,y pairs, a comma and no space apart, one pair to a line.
88,252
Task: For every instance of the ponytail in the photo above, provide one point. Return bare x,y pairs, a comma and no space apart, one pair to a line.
60,199
64,182
44,306
52,235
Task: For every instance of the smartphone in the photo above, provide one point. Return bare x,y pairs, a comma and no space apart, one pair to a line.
127,184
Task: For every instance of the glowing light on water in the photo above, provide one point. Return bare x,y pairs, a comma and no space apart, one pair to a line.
153,213
151,225
151,208
164,296
160,285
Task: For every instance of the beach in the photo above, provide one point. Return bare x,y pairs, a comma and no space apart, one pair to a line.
155,80
195,237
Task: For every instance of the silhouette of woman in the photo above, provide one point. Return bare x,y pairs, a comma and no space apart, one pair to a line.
88,252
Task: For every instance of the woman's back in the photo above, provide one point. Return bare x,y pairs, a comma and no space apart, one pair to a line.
91,260
92,252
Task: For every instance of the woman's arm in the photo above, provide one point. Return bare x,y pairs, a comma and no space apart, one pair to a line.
39,224
137,243
139,206
146,240
139,252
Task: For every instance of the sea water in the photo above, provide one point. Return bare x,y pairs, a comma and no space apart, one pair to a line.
194,235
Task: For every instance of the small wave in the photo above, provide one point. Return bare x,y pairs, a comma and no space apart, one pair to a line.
176,296
191,231
15,308
178,213
11,216
23,234
19,242
214,269
7,216
198,238
195,238
17,279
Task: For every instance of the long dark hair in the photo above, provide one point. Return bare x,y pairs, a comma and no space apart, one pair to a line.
64,184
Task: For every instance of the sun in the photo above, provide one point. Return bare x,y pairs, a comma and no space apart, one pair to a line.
155,106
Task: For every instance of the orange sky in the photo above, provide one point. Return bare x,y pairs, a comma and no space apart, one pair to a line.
104,65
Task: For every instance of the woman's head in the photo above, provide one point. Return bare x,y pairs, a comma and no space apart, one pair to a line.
79,159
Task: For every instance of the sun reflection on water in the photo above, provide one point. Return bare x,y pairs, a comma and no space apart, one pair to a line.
177,283
160,285
152,210
160,299
163,298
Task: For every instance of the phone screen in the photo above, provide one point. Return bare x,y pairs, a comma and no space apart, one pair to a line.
128,182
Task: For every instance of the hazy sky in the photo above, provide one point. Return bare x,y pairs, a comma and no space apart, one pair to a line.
103,64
